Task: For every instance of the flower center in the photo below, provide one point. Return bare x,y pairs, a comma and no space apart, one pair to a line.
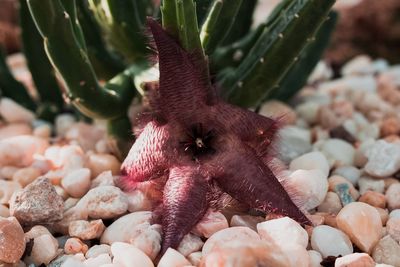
198,141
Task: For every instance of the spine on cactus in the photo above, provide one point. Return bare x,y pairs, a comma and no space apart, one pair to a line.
105,63
42,72
297,76
292,26
10,87
218,23
70,59
123,23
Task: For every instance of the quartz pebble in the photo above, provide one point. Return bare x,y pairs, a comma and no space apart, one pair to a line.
173,258
77,182
374,199
315,258
4,211
97,261
189,244
393,196
369,184
211,223
387,251
350,173
394,213
128,255
148,239
86,230
362,223
294,141
25,176
37,203
138,201
11,111
20,150
122,229
383,159
44,246
310,161
7,189
99,163
278,109
195,258
14,129
312,187
105,202
355,260
246,220
104,178
12,242
97,250
330,242
283,231
338,152
393,228
74,246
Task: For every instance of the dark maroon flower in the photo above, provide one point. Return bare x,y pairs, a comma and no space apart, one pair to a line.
201,145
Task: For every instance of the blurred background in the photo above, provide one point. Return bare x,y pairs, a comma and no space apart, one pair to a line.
365,27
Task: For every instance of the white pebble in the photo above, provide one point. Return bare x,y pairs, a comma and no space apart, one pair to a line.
310,161
351,173
338,152
393,196
11,111
330,241
77,182
173,258
128,255
211,223
189,244
383,159
369,184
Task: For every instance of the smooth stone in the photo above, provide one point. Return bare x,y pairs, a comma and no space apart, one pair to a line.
148,239
97,250
189,244
278,109
138,201
77,182
384,214
338,152
369,184
355,260
374,199
20,150
308,111
383,159
173,258
125,227
229,238
63,123
104,178
25,176
350,173
315,258
195,258
126,255
359,65
387,251
12,242
246,220
68,157
15,129
42,131
85,135
211,223
312,186
75,245
393,196
331,204
283,231
7,189
293,142
362,223
99,163
85,230
393,228
97,261
310,161
45,246
37,203
12,112
105,202
394,213
4,211
330,242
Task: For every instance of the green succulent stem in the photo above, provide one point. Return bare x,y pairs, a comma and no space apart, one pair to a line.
70,60
179,19
218,22
10,87
41,70
122,22
289,30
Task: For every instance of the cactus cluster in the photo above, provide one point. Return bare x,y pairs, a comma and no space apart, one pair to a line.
99,48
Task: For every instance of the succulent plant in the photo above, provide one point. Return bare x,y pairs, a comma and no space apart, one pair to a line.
87,42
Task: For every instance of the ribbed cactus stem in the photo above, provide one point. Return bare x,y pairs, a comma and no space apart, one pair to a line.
71,61
289,31
180,20
10,87
218,22
42,72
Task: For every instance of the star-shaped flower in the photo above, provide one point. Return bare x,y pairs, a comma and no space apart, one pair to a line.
201,145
